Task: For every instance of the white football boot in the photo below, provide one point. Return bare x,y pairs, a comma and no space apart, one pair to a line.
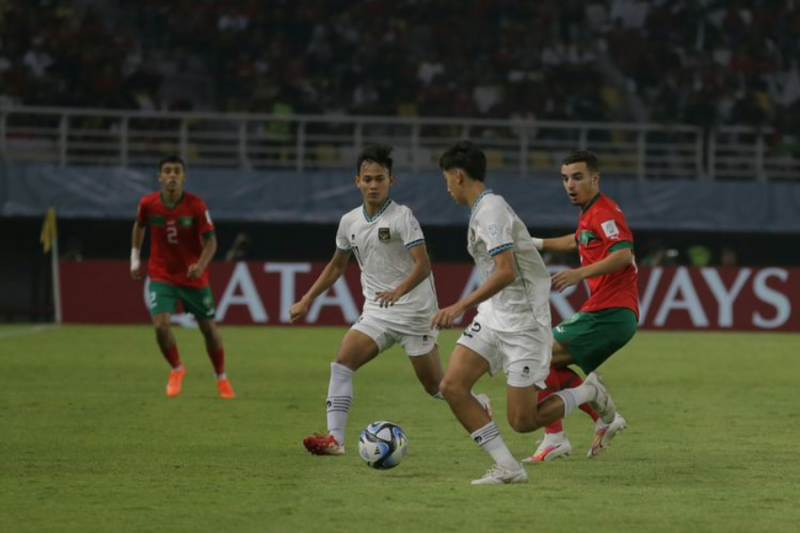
553,446
604,433
497,475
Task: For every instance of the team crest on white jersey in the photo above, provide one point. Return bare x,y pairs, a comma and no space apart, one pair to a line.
384,235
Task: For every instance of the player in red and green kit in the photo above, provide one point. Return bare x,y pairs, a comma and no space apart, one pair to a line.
608,319
182,243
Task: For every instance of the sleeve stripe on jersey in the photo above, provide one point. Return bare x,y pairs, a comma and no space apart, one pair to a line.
344,250
210,233
620,246
502,248
415,243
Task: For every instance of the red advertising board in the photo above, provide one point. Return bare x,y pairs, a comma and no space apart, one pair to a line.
260,293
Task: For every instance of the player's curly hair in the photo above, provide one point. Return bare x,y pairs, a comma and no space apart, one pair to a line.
466,156
376,153
583,156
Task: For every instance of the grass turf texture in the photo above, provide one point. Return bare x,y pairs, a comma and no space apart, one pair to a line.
91,443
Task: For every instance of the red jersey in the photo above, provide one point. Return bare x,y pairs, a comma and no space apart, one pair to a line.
176,237
602,230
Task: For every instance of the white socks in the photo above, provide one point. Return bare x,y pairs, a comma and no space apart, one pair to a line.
488,437
340,399
575,397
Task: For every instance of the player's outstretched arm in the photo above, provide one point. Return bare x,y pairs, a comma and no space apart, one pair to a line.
333,271
504,275
136,247
558,244
420,272
209,249
615,261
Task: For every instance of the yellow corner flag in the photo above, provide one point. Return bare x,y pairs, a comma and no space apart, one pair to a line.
49,231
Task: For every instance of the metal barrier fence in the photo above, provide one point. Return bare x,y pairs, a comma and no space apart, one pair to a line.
309,142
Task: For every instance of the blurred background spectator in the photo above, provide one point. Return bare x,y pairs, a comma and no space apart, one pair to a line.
702,62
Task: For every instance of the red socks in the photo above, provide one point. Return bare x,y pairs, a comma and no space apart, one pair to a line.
553,386
218,360
172,357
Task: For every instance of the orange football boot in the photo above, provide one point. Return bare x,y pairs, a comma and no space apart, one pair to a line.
175,382
225,389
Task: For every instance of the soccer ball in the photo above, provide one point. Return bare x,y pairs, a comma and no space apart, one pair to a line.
382,445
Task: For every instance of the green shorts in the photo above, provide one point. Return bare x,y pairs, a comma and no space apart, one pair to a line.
591,337
163,297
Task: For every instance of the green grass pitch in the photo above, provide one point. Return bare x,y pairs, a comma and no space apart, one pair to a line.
89,442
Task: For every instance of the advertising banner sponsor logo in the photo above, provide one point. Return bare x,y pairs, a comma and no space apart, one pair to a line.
260,293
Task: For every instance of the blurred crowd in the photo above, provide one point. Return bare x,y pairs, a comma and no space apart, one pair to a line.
704,62
52,54
710,62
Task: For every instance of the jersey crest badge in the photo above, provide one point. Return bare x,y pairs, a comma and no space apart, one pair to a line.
585,237
383,235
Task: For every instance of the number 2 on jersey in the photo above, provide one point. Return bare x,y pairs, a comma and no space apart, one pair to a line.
172,234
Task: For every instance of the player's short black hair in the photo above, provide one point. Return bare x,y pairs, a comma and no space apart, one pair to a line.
377,153
583,156
171,159
466,156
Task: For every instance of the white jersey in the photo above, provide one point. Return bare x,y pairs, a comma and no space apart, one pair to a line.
381,245
494,228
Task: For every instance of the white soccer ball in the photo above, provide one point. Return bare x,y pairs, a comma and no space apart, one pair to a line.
382,445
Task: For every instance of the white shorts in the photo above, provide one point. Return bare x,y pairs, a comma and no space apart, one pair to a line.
523,355
385,336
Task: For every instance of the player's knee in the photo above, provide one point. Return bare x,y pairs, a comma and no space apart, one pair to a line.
522,422
451,389
162,328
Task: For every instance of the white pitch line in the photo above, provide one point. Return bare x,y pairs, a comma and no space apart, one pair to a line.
23,332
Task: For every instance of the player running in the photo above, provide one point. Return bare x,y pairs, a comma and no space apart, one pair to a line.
512,329
608,320
399,294
182,242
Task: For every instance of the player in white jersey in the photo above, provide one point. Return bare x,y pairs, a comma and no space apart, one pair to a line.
512,329
399,295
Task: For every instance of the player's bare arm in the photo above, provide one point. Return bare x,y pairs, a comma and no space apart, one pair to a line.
209,249
560,244
136,247
333,271
504,275
615,261
418,274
